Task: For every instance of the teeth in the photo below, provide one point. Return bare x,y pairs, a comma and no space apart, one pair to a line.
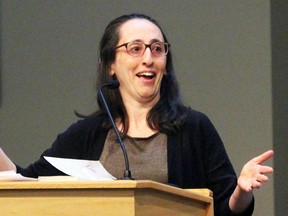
146,74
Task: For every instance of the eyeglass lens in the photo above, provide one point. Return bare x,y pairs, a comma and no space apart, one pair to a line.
138,48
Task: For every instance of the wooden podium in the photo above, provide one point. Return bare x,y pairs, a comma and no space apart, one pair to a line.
105,198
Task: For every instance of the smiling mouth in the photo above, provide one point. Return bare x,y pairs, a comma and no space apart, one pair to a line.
146,75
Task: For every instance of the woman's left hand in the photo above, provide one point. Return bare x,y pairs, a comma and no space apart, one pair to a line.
253,173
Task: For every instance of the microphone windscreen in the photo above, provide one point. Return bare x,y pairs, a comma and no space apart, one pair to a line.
113,84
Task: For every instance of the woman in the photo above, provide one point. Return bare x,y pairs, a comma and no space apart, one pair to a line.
166,141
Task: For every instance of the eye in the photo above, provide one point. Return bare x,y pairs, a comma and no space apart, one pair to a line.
158,47
135,48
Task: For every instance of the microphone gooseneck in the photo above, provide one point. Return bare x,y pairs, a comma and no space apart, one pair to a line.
113,85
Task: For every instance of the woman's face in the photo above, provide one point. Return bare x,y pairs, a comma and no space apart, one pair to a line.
140,77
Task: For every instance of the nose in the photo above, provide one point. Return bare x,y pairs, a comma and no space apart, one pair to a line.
148,57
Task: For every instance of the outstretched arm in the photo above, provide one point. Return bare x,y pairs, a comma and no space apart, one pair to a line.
5,162
252,176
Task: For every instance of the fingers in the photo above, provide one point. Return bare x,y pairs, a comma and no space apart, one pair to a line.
264,157
254,173
265,169
248,186
256,184
262,178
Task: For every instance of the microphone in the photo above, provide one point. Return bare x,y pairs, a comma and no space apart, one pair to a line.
113,85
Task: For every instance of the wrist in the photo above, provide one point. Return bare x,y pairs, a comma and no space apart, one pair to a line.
240,200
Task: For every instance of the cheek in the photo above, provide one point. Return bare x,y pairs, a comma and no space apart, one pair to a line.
122,65
162,67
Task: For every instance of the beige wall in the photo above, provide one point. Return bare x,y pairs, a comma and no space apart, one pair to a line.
222,55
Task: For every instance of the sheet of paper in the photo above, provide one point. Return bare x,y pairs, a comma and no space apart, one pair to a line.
13,176
82,169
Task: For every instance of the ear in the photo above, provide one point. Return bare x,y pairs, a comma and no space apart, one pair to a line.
112,69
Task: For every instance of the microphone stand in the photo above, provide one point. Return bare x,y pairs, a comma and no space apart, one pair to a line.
113,85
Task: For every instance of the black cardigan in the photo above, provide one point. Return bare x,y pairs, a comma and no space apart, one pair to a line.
196,156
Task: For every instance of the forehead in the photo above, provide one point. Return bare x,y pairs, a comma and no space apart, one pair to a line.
139,29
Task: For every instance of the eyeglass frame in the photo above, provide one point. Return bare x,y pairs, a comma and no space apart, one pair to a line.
146,46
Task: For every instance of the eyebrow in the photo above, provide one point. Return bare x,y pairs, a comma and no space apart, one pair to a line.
151,41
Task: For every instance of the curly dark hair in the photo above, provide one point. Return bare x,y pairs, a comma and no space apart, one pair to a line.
169,112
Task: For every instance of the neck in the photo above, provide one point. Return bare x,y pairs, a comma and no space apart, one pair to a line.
138,125
137,113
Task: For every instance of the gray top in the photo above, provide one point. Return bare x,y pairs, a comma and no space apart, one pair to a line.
147,157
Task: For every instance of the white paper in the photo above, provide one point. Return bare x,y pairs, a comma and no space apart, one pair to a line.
13,176
82,169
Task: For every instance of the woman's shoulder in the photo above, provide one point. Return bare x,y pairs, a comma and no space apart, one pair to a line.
195,115
88,123
197,119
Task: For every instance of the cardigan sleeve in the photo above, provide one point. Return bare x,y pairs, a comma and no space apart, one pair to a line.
220,175
197,159
80,141
65,146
